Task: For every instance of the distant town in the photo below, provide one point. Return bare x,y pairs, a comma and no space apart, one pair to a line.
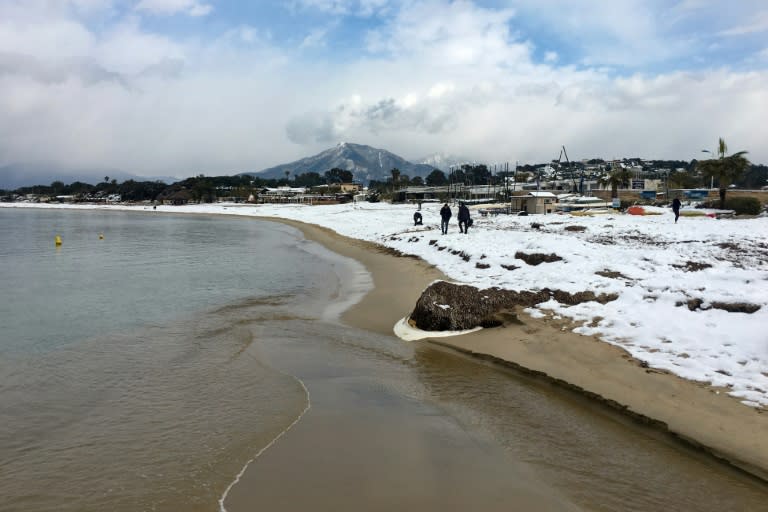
631,178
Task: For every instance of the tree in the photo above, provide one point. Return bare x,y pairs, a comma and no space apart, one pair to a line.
726,169
308,179
417,181
395,175
616,178
337,175
57,187
755,177
436,178
682,179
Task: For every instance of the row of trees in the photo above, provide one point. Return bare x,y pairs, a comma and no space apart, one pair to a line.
200,187
723,170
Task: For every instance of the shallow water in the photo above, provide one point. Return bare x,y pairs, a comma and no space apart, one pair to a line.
200,338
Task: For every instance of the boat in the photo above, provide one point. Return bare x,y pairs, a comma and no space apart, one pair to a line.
571,203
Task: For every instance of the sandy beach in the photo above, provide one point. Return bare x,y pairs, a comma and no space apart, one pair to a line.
696,413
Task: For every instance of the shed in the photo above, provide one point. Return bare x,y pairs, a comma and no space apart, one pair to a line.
534,202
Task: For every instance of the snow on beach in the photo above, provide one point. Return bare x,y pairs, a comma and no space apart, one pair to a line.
672,280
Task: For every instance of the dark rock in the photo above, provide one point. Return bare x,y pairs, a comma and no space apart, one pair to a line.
736,307
731,307
692,266
446,306
537,258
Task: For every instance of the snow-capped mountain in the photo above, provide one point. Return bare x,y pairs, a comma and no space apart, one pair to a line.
365,162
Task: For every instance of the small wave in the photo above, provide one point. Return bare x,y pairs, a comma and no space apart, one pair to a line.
405,331
222,507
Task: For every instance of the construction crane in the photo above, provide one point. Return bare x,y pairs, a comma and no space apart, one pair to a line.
580,186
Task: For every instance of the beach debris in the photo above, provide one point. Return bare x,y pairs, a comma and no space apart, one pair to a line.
692,266
537,258
611,274
730,307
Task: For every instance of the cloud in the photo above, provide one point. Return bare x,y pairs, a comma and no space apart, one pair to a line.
170,7
316,38
363,8
88,71
759,23
452,33
93,86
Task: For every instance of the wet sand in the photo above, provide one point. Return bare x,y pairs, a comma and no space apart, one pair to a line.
694,412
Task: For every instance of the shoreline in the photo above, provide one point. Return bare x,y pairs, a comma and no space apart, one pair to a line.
696,414
693,413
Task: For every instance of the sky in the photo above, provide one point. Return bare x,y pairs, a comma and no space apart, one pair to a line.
187,87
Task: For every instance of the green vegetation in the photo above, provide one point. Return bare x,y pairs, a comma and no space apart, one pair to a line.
740,205
724,169
616,178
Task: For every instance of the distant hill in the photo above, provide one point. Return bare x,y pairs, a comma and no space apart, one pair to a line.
28,174
365,162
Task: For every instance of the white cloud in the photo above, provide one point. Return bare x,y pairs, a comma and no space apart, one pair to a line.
758,23
362,8
316,38
445,76
169,7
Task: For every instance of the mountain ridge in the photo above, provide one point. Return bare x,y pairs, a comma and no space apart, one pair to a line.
365,162
29,174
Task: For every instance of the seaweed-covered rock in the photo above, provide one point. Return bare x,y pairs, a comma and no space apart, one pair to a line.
453,307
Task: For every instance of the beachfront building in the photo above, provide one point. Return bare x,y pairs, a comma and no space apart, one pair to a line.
350,188
534,202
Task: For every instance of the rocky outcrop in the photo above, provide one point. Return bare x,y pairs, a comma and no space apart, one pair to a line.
446,306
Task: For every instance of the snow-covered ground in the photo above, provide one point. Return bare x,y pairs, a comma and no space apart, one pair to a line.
655,266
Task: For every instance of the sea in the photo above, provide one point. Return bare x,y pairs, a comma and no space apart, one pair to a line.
170,362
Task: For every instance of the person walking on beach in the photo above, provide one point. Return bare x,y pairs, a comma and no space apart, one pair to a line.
676,208
463,218
445,216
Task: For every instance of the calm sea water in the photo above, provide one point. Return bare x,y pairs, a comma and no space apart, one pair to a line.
144,369
127,379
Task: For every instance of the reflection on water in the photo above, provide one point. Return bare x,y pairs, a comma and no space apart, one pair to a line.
551,438
161,408
155,419
601,459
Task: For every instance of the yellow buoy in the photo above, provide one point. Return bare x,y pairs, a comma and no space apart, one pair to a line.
58,240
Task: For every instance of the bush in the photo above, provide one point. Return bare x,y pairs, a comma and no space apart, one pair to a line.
744,205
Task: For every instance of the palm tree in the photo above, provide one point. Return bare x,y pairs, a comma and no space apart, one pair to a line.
726,169
617,177
395,175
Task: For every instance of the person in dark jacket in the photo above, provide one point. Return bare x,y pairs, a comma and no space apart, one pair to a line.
445,216
676,208
417,219
464,219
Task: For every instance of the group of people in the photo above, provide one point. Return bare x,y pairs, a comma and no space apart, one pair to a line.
465,220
